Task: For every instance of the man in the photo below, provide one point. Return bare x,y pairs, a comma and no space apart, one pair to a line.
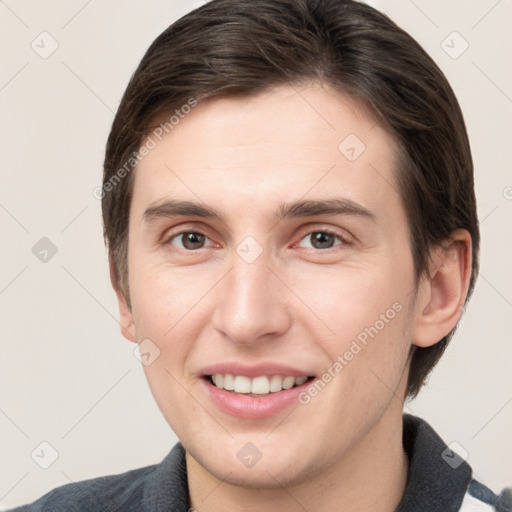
289,209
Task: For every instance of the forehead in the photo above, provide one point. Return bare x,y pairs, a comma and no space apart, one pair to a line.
284,143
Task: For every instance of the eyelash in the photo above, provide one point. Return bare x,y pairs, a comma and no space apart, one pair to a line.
343,240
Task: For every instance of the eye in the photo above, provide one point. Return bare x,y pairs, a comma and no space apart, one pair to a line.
321,240
189,240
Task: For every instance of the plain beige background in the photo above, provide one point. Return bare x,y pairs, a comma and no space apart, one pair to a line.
68,378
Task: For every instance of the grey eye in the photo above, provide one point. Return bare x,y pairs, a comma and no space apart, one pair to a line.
189,240
320,240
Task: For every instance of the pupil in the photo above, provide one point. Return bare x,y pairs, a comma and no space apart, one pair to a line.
193,240
321,240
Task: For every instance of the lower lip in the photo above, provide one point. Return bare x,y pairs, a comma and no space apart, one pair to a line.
253,407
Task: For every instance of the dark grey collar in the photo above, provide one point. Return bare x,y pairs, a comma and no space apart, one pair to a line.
438,478
167,489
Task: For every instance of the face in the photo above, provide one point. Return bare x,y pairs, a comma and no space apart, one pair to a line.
269,248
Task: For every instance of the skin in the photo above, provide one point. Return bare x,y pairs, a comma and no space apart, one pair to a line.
295,304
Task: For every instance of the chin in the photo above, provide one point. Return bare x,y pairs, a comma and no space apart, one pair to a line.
265,474
254,461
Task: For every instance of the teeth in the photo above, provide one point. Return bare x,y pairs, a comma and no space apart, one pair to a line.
276,383
262,385
242,384
288,382
300,380
229,382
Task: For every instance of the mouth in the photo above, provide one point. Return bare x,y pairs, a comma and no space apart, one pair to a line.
254,391
259,386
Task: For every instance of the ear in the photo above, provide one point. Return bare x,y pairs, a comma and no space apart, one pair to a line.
125,313
443,292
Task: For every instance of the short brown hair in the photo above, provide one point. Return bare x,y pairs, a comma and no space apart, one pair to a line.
243,47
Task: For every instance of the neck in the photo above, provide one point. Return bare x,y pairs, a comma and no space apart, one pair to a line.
371,477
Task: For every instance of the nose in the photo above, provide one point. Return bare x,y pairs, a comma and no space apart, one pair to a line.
252,305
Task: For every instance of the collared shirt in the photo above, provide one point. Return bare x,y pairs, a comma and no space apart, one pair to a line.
438,481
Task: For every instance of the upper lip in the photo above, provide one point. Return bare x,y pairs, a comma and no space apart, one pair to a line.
254,370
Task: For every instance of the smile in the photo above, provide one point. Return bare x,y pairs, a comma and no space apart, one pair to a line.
258,386
254,397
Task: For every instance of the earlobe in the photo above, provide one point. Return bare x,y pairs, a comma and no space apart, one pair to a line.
444,291
125,313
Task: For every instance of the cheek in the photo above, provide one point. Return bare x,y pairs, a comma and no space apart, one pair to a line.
167,311
364,329
350,301
163,298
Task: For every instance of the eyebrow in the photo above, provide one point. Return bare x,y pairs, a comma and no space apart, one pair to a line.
310,208
173,208
301,208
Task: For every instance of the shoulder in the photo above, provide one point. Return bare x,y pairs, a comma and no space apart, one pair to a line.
440,479
122,492
480,498
155,488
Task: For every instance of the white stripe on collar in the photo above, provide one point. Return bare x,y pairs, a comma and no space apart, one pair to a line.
471,504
